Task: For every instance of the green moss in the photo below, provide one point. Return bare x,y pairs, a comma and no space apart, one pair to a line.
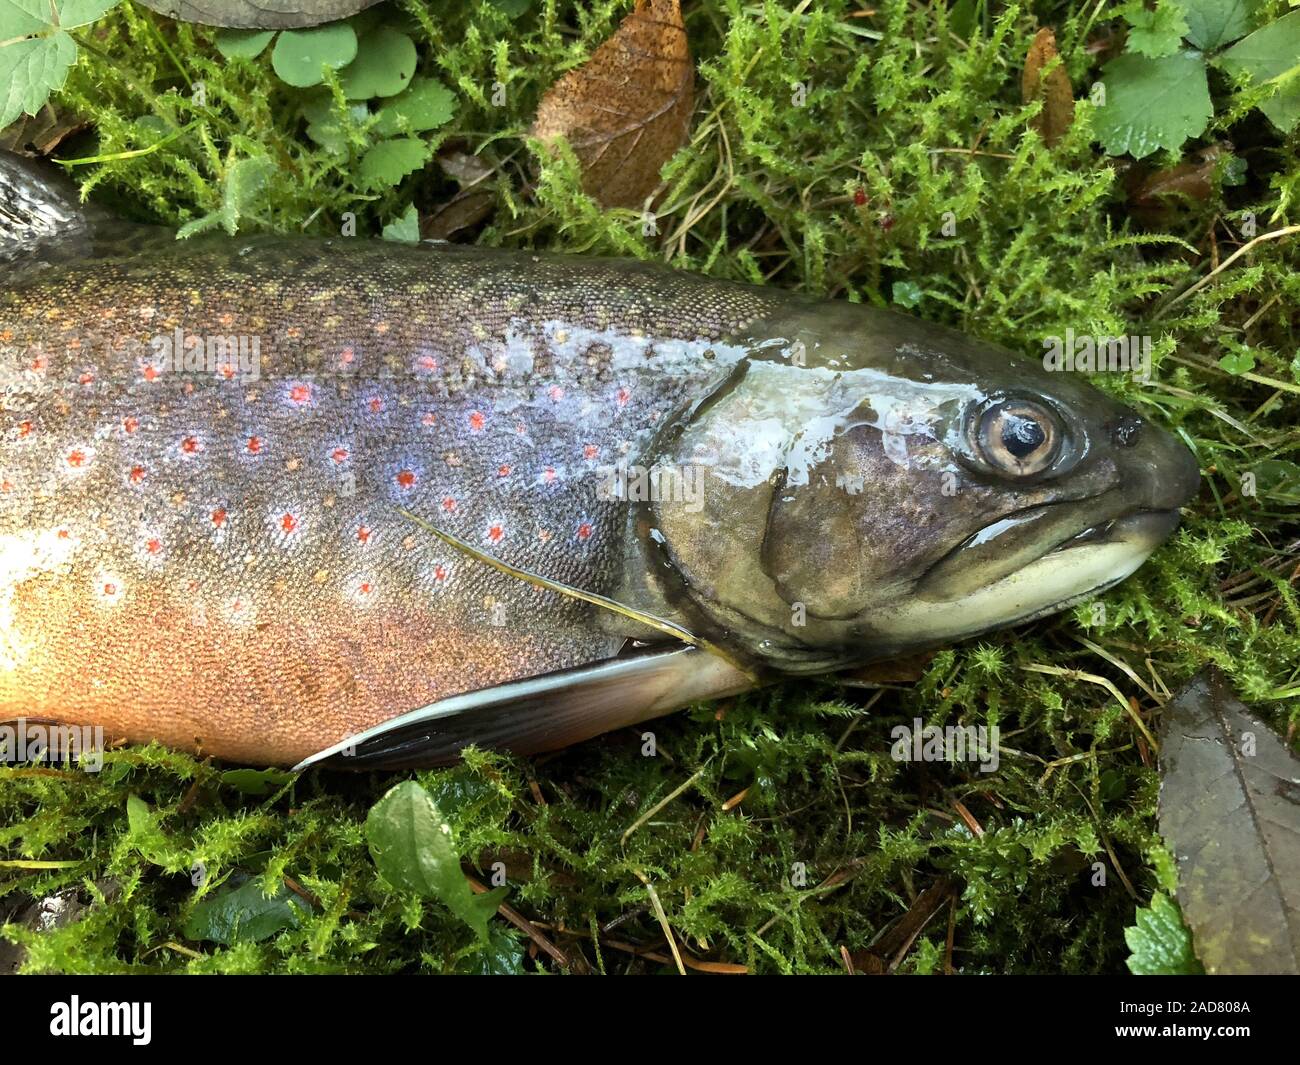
928,127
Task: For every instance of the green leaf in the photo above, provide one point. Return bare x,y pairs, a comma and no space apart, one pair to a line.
906,293
1160,943
256,781
1213,23
300,56
145,835
383,67
22,18
502,954
1152,103
511,8
30,70
243,44
1154,32
405,228
1238,362
427,104
244,915
326,127
1267,54
410,843
390,161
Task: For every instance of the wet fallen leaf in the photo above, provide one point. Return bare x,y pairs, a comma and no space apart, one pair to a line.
1053,88
628,108
1230,812
462,211
251,14
39,134
1193,179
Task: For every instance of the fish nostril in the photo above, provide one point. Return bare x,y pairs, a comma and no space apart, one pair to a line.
1127,431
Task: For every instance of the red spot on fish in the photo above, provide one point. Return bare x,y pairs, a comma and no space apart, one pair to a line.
448,504
137,474
347,356
151,373
439,573
428,363
86,378
191,446
548,474
339,455
288,523
63,534
6,485
38,364
219,517
376,405
429,419
363,535
405,479
584,531
153,546
476,420
496,533
365,588
130,425
503,470
622,396
556,393
300,393
110,588
24,428
76,458
254,445
228,372
590,451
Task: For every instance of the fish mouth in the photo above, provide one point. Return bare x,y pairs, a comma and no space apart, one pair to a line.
1069,568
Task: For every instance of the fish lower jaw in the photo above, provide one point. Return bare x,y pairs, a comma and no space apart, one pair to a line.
1091,562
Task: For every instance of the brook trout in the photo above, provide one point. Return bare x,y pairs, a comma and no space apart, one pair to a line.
222,460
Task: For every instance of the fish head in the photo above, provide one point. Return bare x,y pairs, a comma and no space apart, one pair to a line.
876,485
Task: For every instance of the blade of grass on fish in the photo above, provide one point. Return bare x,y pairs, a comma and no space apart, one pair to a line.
668,628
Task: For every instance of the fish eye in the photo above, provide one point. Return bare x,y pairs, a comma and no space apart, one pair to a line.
1018,437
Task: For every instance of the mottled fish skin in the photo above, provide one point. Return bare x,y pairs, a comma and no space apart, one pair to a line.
219,563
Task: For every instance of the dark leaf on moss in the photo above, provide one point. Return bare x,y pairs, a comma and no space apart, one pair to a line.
1230,812
244,915
258,14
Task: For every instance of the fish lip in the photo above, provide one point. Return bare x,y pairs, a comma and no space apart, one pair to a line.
1152,527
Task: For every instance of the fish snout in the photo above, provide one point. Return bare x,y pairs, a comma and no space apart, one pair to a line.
1159,470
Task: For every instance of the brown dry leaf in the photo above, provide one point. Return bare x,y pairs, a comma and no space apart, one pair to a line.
628,108
38,135
1053,88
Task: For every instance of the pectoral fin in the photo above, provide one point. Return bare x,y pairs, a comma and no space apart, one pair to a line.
542,713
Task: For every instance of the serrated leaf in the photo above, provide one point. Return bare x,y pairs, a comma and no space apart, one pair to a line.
389,161
1154,32
244,915
243,44
1213,23
30,70
405,228
1159,942
299,56
411,845
1152,103
1230,813
427,104
384,65
1266,54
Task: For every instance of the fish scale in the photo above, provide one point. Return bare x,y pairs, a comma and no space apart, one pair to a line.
220,563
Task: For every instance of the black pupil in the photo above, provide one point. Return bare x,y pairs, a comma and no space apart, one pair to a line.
1022,436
